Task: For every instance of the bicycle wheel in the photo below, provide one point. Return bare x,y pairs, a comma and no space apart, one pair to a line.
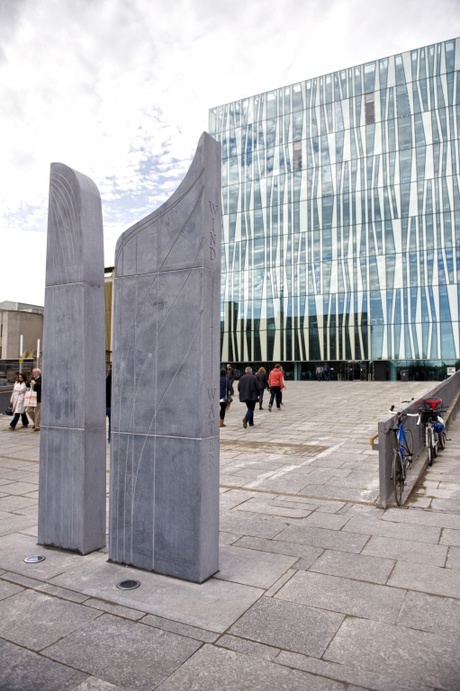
398,477
430,445
442,440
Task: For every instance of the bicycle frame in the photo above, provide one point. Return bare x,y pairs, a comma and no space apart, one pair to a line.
404,449
402,454
428,417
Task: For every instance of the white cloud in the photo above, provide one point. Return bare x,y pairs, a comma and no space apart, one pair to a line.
121,90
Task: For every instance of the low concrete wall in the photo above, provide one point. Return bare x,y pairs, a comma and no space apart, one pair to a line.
449,391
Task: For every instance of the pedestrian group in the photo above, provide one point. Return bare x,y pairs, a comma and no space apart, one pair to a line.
251,388
26,399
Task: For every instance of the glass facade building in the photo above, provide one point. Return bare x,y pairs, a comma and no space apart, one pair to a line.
341,219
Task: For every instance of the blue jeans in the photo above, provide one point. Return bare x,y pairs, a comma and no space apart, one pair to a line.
249,417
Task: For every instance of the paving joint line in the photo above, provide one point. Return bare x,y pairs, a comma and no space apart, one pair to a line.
304,496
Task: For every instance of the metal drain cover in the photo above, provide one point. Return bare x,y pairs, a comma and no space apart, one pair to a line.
34,559
128,585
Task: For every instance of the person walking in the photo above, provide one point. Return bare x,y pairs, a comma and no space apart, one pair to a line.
225,388
284,384
34,412
248,388
231,377
276,384
263,384
17,402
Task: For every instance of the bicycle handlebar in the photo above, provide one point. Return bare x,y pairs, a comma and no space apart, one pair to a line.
401,412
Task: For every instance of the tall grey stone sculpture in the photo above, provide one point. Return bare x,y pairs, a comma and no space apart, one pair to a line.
165,438
72,476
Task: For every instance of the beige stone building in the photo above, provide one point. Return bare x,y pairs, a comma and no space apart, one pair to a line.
19,319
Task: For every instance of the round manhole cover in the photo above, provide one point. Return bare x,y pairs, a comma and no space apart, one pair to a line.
128,585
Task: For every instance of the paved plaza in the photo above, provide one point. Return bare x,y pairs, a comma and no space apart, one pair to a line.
318,589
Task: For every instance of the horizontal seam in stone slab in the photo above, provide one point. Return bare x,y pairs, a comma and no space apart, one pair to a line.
14,458
12,577
112,607
304,496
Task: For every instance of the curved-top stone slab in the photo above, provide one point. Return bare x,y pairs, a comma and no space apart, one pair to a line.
72,485
165,434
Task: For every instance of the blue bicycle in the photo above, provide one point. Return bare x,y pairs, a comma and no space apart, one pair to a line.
402,454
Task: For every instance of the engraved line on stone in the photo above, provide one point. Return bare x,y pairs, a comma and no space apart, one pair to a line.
156,215
148,289
64,199
135,470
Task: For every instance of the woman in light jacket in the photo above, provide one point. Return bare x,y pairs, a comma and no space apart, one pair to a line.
17,402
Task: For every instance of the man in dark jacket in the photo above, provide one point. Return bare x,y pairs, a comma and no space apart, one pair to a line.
248,387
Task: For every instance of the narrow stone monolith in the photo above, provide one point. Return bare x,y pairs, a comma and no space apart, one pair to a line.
72,477
164,488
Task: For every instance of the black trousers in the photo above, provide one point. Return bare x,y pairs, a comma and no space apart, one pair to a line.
15,420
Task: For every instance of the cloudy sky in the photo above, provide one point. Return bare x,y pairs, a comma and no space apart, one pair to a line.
120,90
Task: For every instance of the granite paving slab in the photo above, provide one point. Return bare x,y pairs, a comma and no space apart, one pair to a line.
453,558
322,537
34,620
181,629
332,521
427,579
21,475
452,505
245,566
13,503
431,613
14,523
271,507
441,493
94,684
450,537
100,649
213,605
398,531
417,552
15,548
22,487
421,518
213,668
15,463
426,658
251,524
346,596
22,670
292,483
313,504
230,498
242,645
340,493
355,677
8,589
289,626
296,549
363,568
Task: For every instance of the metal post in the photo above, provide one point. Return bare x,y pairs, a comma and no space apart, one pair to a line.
21,345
